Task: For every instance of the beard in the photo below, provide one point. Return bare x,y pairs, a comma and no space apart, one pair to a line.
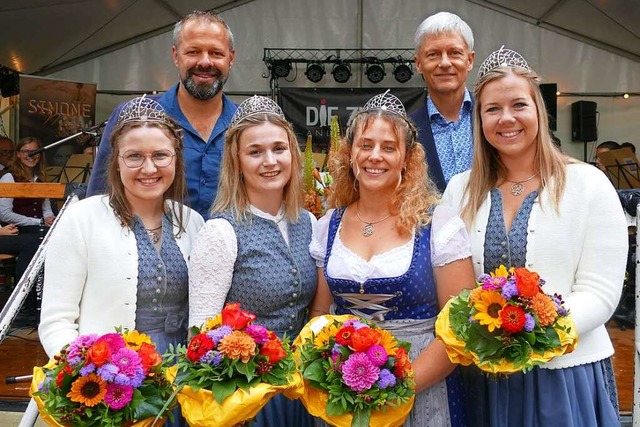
204,91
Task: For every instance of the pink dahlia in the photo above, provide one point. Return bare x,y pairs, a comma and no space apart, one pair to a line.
118,396
358,373
377,354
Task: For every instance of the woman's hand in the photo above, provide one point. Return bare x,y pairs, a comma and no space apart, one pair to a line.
9,230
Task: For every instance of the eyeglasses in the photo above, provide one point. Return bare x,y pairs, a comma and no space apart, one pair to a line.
135,159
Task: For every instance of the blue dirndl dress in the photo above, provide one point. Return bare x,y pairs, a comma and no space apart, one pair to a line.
406,306
580,396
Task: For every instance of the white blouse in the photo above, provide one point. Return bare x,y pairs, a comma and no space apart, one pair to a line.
449,242
8,216
212,261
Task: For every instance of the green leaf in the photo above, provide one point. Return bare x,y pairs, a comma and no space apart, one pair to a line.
223,389
361,418
335,408
315,371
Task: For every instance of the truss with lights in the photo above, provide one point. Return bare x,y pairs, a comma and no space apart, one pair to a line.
280,63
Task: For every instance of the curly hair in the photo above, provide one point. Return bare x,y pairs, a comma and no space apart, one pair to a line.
175,192
414,196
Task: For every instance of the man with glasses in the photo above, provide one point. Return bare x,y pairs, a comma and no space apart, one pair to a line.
203,54
6,152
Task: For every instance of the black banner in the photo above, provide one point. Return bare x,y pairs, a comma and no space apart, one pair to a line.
310,110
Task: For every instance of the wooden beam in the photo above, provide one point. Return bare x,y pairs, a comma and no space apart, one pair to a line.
47,190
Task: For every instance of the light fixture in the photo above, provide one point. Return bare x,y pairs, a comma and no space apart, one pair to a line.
403,72
315,71
281,68
375,72
625,96
341,72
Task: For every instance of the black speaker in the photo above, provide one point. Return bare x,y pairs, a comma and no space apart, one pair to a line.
550,98
584,125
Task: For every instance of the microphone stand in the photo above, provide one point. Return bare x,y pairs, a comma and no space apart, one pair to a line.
92,131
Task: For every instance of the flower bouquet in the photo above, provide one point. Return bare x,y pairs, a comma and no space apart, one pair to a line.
109,380
231,368
356,374
506,324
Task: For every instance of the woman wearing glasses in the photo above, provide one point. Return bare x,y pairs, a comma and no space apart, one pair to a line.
120,259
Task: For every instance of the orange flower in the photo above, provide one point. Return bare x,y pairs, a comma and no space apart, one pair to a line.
238,345
474,295
544,308
388,341
89,390
364,338
149,355
527,282
99,353
402,365
273,350
236,318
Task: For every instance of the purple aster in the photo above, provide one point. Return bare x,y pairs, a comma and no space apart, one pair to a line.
259,333
355,324
484,277
377,354
133,380
217,334
108,371
114,341
557,300
387,379
509,290
358,373
87,369
118,396
529,322
79,346
44,385
212,357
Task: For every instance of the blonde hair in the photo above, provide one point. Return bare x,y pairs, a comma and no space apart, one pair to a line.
176,191
232,194
415,194
19,170
487,167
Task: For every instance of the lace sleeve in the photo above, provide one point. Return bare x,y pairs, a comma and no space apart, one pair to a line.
318,245
211,269
449,238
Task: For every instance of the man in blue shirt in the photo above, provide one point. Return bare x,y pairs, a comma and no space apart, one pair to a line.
444,56
203,54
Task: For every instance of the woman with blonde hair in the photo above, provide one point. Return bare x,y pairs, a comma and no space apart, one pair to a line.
389,253
528,205
254,249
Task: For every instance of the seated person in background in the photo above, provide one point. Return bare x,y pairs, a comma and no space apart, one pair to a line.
629,145
23,245
30,213
603,147
6,152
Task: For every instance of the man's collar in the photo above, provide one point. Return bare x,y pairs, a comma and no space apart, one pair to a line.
434,112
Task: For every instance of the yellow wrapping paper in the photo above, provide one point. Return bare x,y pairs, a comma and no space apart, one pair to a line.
38,377
201,409
315,400
457,354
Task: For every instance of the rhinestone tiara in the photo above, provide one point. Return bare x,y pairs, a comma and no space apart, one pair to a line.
142,109
502,58
256,105
386,102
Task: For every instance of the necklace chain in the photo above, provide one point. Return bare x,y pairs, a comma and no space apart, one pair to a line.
368,229
516,186
153,234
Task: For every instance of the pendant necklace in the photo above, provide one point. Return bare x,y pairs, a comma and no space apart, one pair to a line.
153,234
368,229
516,186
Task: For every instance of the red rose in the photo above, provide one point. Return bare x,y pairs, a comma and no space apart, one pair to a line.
402,365
343,336
364,338
273,350
527,282
99,353
512,319
198,347
236,318
149,356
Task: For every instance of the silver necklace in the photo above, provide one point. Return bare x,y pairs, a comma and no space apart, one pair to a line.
516,186
153,234
368,229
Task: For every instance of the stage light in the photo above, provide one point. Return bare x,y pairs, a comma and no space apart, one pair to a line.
403,72
341,72
375,72
281,68
315,71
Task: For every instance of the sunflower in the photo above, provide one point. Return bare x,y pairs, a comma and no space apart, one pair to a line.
500,272
212,323
89,390
135,339
329,331
388,341
488,306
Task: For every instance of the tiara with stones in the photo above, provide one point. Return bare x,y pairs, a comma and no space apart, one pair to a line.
386,102
256,105
502,58
142,109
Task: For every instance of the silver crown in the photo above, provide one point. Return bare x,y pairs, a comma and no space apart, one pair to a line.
386,102
142,109
502,58
256,105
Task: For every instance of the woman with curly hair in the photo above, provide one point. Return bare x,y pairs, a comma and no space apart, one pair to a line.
388,253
